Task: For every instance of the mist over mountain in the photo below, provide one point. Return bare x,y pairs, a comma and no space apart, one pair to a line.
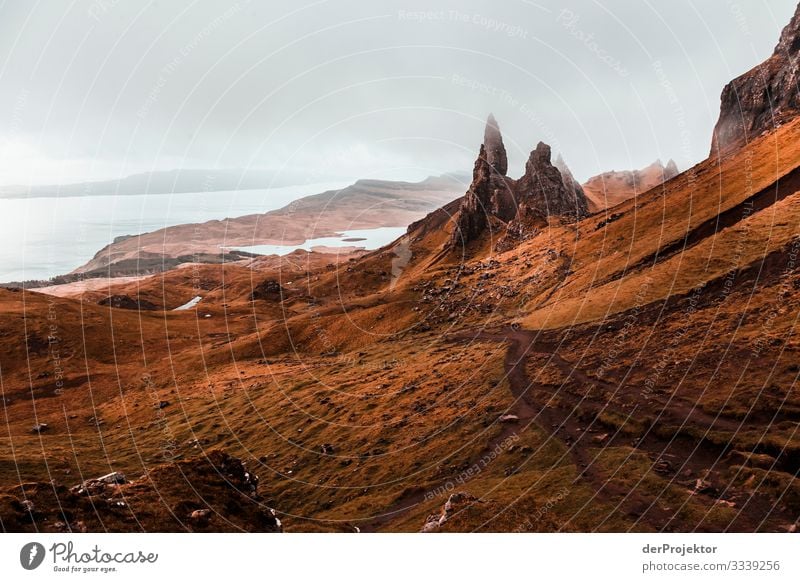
344,90
533,349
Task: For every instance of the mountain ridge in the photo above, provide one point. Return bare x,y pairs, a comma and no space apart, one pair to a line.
627,371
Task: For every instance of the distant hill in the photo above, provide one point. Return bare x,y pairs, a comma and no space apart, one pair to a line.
512,363
365,204
612,188
166,182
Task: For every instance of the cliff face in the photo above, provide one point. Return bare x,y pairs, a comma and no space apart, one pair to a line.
547,190
764,97
574,188
473,216
495,150
491,191
544,190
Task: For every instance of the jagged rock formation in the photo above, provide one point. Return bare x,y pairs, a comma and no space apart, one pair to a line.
473,215
493,144
764,97
544,190
574,189
670,170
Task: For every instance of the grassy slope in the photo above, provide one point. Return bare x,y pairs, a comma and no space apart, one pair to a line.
359,360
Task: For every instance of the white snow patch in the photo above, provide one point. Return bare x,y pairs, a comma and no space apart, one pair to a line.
189,304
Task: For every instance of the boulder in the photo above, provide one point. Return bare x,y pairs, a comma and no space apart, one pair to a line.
127,302
268,290
455,503
201,515
98,485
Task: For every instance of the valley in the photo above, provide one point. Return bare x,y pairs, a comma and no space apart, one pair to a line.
533,355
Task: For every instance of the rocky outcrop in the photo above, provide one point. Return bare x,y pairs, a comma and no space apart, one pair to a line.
491,192
268,290
456,503
214,492
127,302
574,189
543,191
671,170
473,216
546,191
763,98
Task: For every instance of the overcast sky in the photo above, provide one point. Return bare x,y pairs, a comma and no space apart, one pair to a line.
352,89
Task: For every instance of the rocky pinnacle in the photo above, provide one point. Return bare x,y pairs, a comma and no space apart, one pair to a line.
543,191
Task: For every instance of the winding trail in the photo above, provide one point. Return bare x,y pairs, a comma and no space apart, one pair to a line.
575,421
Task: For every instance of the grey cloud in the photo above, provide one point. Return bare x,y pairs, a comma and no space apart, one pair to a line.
356,89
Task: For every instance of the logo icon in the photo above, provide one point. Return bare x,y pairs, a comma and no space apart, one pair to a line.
31,555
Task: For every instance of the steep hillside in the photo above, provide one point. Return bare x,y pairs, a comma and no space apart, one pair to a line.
593,368
512,363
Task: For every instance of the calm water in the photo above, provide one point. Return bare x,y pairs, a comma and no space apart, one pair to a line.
44,237
369,239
